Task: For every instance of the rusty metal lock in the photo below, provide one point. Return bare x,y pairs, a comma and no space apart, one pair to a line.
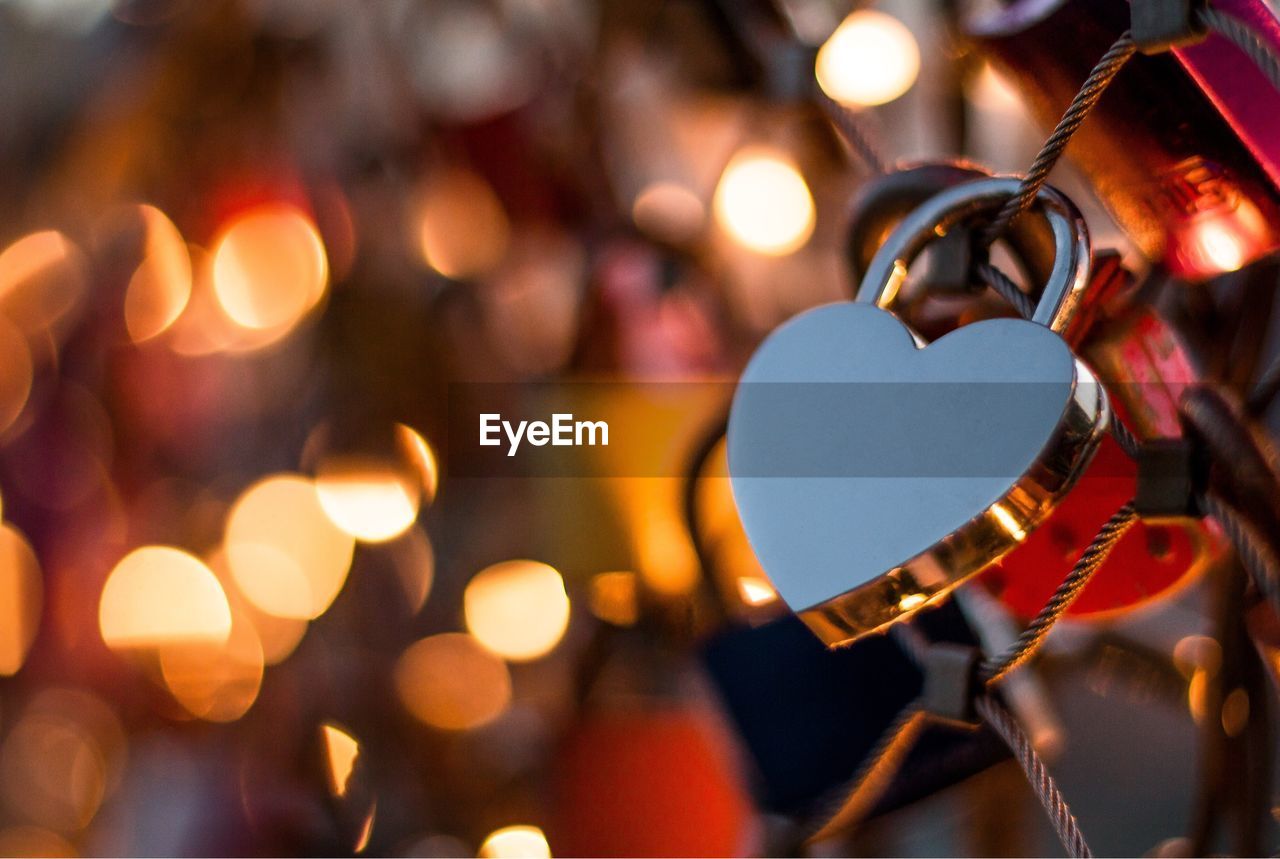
874,474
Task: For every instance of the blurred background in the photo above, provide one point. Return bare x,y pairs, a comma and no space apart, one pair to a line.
249,249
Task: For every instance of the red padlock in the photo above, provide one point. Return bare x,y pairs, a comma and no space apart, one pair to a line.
1145,368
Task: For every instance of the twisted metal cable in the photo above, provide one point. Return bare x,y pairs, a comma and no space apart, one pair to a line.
858,796
1254,552
1025,305
1038,775
1094,86
1265,390
993,670
854,133
1242,35
1006,289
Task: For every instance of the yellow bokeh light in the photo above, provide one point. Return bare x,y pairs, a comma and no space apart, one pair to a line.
614,598
16,373
763,203
284,553
870,59
414,448
21,598
669,210
463,231
41,279
516,842
269,268
216,682
517,609
371,500
161,286
159,595
449,681
1219,247
62,757
340,750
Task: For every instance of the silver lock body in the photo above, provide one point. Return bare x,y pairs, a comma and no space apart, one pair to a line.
872,475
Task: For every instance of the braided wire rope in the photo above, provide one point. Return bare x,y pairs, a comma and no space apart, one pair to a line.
852,129
1094,86
1244,37
1038,775
1032,638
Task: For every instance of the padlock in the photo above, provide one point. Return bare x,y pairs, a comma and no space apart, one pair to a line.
874,474
1140,359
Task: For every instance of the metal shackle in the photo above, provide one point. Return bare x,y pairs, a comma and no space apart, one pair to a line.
936,216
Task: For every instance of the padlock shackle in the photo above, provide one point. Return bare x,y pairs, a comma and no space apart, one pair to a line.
936,216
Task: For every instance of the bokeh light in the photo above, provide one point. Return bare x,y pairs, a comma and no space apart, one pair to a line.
269,268
341,751
16,373
449,681
284,553
614,598
1218,247
870,59
42,280
517,609
372,500
159,595
516,842
415,449
216,681
161,286
463,230
21,599
763,203
63,756
669,211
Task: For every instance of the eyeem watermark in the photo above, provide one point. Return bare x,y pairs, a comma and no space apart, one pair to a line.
563,431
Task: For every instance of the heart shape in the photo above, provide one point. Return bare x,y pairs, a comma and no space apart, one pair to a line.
873,474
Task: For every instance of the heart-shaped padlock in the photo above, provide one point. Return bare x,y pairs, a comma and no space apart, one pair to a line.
873,474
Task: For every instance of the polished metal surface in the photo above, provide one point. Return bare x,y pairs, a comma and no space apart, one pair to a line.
869,502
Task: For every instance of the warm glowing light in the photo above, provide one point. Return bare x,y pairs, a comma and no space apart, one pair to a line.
284,553
1218,246
755,591
414,448
463,229
366,830
269,268
911,601
449,681
613,598
341,750
277,636
517,609
516,842
669,211
370,500
21,597
764,203
415,562
42,278
16,373
161,286
34,841
61,758
216,682
157,596
1008,522
1235,712
870,59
